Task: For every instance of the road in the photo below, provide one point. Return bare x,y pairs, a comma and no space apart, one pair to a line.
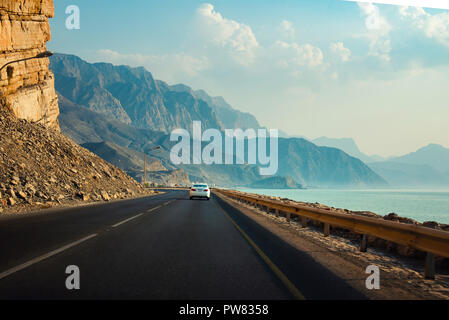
158,247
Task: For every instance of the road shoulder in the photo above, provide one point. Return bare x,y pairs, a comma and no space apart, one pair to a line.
398,281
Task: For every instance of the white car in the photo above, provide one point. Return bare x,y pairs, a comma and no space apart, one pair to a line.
200,190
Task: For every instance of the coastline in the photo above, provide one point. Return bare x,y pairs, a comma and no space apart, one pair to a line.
420,205
374,242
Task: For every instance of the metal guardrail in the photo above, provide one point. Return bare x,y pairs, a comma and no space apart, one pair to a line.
432,241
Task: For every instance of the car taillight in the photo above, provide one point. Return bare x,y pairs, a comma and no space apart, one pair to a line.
193,189
206,190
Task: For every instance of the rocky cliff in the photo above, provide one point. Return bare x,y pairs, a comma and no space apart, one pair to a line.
27,87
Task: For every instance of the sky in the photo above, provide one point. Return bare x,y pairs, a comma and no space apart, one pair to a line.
374,72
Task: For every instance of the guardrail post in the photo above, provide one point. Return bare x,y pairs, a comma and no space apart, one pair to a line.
303,222
327,229
363,243
288,216
429,269
277,212
268,210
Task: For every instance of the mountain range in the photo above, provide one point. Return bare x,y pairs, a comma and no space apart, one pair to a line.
106,107
133,96
349,146
427,167
433,155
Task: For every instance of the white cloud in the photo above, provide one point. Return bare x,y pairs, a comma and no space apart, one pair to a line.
295,55
378,31
338,50
169,67
435,4
437,27
434,26
412,12
287,30
237,37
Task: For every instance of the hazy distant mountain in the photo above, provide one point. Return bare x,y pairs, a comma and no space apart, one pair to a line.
312,165
132,96
306,163
427,167
348,145
85,126
407,175
138,98
230,117
433,155
154,107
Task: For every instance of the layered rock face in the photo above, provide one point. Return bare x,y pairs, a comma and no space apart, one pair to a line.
27,87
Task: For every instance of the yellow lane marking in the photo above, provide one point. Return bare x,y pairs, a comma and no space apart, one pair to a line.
290,286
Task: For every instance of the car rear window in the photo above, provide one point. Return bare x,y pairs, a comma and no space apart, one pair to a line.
200,185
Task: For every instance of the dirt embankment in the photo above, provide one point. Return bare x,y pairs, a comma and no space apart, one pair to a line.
41,168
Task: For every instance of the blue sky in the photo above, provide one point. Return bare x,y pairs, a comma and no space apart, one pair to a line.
376,73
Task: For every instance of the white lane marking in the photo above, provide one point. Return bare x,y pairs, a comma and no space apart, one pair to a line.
43,257
125,221
155,208
54,252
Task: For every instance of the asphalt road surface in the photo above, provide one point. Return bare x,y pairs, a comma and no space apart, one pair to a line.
158,247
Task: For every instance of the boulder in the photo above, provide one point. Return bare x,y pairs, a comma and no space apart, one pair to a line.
105,195
11,201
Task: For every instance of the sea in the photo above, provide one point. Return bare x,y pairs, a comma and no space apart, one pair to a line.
420,205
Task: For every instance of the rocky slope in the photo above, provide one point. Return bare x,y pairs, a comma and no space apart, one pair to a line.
41,167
